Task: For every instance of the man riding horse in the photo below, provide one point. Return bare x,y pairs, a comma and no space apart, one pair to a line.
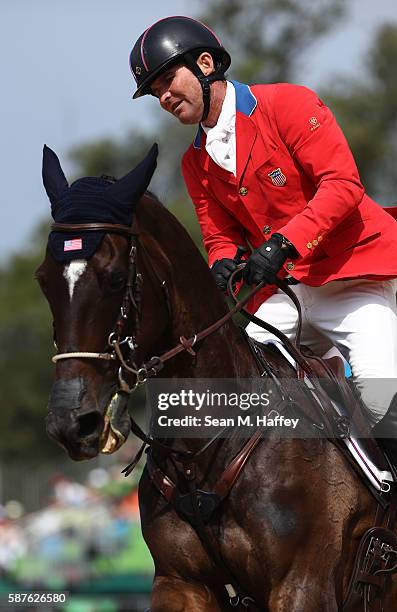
270,168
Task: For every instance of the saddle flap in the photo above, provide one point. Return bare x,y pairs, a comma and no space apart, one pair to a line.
348,412
348,405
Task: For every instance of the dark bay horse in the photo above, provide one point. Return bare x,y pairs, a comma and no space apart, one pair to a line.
289,528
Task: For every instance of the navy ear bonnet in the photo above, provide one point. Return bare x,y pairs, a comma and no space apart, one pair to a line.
91,200
84,202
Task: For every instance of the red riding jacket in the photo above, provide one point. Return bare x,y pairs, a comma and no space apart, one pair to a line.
295,175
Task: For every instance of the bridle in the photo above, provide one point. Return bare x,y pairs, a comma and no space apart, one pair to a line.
117,339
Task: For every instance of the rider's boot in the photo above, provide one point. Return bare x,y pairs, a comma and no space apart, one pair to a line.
386,432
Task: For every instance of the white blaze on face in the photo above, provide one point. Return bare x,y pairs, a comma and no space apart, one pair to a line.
73,272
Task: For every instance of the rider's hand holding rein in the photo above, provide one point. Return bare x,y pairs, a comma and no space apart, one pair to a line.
266,261
222,270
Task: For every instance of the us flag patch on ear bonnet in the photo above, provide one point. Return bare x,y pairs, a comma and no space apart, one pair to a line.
75,244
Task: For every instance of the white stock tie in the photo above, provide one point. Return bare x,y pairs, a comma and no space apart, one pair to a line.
221,139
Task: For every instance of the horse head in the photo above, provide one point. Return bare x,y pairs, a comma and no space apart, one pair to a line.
90,281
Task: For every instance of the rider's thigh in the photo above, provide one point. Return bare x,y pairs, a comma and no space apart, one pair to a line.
361,319
279,311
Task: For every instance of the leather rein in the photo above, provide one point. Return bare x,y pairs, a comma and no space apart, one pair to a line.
117,340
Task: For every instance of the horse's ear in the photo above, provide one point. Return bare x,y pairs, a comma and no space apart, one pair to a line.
54,179
133,185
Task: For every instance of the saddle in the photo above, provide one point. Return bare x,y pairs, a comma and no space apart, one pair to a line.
344,414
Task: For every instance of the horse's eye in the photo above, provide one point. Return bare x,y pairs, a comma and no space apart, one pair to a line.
116,281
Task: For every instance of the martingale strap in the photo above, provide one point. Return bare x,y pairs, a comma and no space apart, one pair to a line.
223,485
198,506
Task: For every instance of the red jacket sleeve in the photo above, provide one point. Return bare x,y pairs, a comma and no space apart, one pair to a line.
221,233
315,141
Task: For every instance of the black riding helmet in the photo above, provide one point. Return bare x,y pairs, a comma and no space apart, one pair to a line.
172,40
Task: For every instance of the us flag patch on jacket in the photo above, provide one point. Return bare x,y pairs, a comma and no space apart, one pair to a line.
73,245
278,178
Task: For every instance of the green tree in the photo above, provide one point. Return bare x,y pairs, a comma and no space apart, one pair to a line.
266,38
367,112
25,351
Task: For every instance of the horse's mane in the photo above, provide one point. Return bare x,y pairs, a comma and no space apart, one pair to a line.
153,216
155,222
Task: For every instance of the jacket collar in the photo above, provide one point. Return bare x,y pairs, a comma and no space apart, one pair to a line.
245,100
245,103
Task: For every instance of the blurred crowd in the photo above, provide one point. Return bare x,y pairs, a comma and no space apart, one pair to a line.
87,530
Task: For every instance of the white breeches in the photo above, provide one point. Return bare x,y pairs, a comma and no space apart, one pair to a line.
357,316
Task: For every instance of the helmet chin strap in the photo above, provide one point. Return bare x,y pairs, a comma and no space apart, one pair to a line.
205,82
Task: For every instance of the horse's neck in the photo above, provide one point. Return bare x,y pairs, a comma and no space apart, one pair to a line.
224,353
195,301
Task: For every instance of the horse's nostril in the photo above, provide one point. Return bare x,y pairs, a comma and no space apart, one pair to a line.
88,423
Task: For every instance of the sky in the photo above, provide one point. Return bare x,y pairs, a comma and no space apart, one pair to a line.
65,81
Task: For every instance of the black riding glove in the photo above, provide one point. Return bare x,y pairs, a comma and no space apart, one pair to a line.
266,261
222,269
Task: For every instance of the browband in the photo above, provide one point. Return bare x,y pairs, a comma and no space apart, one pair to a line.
93,227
